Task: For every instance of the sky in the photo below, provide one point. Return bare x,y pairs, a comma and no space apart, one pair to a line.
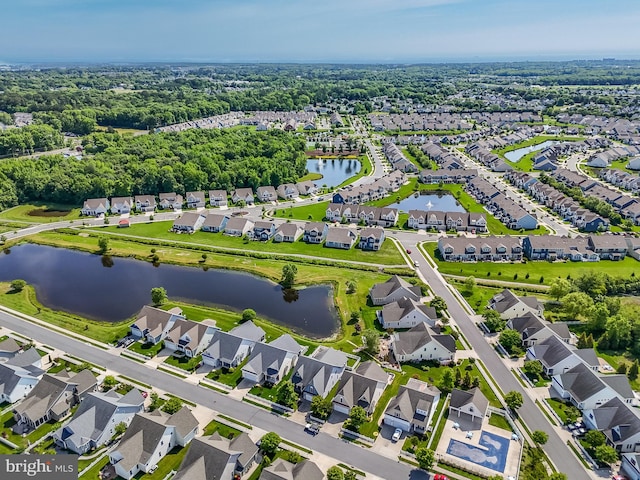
342,31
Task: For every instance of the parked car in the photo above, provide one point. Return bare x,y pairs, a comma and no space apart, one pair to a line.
440,476
416,264
408,251
396,435
312,428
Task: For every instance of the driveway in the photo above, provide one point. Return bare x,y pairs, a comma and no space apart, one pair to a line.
385,446
334,423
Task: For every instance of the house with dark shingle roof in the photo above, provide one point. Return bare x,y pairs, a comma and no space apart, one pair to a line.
218,198
170,200
509,305
287,232
229,349
315,232
412,408
188,222
557,357
318,373
52,399
152,324
19,373
362,387
149,438
95,207
283,470
189,337
195,199
406,313
422,343
619,422
263,230
214,223
95,421
533,329
339,237
470,404
392,290
270,362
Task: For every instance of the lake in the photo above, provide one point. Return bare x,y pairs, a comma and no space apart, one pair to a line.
432,201
516,155
333,172
79,283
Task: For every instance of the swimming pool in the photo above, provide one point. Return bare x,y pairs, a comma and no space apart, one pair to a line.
491,452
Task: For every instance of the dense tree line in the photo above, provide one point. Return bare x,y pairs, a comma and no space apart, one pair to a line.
20,141
117,165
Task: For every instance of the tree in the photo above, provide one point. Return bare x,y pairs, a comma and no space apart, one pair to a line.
470,284
572,413
513,400
539,437
357,417
594,438
425,457
335,473
18,285
371,341
289,272
120,429
558,476
439,304
269,443
559,288
158,295
577,304
321,407
493,320
533,368
606,454
155,402
510,340
350,475
351,287
172,405
286,394
248,314
633,371
109,382
447,381
103,244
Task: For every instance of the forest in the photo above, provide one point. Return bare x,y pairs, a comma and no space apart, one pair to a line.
120,165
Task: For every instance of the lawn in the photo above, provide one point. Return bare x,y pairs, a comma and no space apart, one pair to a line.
314,212
222,429
500,422
171,462
93,473
6,424
41,213
184,362
532,272
560,407
615,358
231,377
147,349
387,255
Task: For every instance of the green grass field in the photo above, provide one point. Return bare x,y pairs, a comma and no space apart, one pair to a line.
41,213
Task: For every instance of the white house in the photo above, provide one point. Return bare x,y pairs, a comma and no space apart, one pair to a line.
558,357
189,337
19,374
362,387
318,373
120,205
95,207
406,313
422,343
393,290
470,404
229,349
413,407
152,324
270,362
509,305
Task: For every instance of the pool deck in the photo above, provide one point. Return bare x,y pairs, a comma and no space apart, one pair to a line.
449,433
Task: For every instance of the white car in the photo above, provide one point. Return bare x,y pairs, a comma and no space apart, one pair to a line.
416,264
396,435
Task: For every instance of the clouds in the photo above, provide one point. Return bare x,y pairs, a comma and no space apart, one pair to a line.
325,30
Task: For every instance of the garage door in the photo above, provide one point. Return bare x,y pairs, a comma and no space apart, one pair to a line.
341,408
307,396
396,423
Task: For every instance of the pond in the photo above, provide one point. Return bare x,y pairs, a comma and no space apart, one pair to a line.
333,171
516,155
441,202
116,288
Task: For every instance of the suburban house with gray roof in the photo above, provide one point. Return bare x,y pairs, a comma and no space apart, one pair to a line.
52,399
371,238
263,231
630,465
149,438
412,408
217,458
218,198
392,290
238,226
315,232
266,194
557,357
195,199
283,470
95,207
318,373
189,337
152,324
406,313
307,187
214,222
480,249
170,201
19,373
509,305
188,222
120,205
533,329
229,349
422,343
619,422
95,421
362,387
270,362
145,203
339,237
468,404
243,195
287,232
287,191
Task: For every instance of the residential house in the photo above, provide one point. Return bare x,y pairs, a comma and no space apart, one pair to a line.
95,207
392,290
533,329
371,238
630,465
266,194
196,199
406,313
608,247
96,419
217,458
422,343
218,198
557,357
287,232
149,438
145,203
315,232
509,305
188,222
270,362
229,349
152,324
243,195
214,223
52,399
339,237
470,405
263,231
319,373
480,249
287,191
121,205
307,188
188,337
9,348
170,201
412,408
238,227
20,372
619,422
283,470
362,387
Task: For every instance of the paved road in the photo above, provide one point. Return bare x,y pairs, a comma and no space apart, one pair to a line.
557,450
342,451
